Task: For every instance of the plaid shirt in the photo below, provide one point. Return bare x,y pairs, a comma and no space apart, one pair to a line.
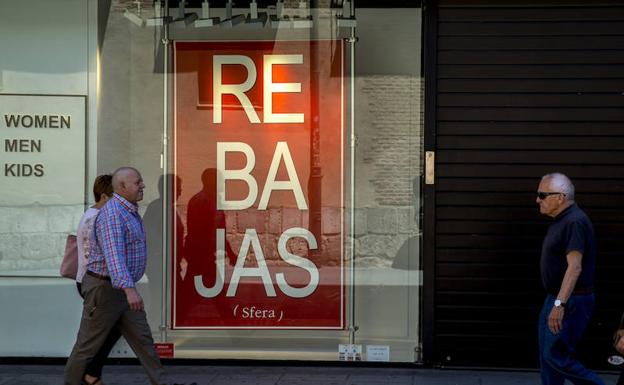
118,246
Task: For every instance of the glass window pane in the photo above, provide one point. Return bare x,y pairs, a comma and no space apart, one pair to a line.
302,136
388,175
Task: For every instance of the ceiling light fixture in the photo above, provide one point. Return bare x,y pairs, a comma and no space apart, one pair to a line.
158,19
184,18
346,20
304,17
230,21
135,18
205,20
278,20
255,19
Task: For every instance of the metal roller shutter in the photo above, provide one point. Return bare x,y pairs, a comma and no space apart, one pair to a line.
519,89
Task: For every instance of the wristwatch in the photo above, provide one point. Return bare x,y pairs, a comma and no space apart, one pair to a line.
558,303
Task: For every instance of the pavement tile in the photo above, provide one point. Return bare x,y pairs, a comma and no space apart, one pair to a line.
518,378
280,375
244,379
379,379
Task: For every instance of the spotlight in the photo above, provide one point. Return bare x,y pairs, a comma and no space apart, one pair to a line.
279,9
184,18
205,20
279,20
230,21
158,19
254,19
138,20
303,18
344,21
135,18
300,18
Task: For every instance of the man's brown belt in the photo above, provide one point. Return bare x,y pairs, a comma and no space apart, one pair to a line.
99,276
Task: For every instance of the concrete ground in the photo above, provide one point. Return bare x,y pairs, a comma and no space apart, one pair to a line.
280,375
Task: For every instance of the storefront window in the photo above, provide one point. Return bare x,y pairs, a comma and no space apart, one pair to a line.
388,127
281,153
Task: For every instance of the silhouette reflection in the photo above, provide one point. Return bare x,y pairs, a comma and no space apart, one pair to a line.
153,220
199,255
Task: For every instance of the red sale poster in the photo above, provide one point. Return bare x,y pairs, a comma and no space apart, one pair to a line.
258,152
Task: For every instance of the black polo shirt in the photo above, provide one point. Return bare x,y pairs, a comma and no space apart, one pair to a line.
571,230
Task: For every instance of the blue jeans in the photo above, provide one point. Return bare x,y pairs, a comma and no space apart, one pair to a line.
556,351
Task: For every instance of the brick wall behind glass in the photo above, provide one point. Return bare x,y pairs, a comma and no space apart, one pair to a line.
388,165
388,171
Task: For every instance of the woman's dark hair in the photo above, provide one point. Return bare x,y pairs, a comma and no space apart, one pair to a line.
103,185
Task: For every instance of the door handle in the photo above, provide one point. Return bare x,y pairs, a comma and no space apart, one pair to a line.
430,167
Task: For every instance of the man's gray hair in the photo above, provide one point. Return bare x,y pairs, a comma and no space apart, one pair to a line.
562,183
119,176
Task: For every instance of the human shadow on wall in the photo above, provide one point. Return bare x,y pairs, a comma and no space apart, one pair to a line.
200,246
154,222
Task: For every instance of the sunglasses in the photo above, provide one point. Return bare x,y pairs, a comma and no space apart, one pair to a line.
543,195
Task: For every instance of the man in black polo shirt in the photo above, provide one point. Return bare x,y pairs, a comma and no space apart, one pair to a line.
567,264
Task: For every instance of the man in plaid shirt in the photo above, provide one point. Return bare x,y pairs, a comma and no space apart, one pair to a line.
117,261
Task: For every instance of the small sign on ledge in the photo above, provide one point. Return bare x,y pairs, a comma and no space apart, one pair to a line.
348,352
164,350
378,353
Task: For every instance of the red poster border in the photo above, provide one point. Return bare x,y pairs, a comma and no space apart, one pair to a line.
172,190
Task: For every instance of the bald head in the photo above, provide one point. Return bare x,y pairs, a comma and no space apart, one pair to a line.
128,183
121,175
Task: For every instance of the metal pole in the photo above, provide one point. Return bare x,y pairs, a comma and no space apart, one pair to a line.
315,186
352,327
163,292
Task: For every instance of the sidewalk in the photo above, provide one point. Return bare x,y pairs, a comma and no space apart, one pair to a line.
280,375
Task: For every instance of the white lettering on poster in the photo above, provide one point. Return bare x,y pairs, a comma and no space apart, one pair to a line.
256,312
218,286
282,152
262,271
270,88
239,90
253,312
223,174
251,241
245,175
298,261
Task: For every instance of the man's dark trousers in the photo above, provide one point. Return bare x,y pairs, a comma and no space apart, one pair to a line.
104,307
557,351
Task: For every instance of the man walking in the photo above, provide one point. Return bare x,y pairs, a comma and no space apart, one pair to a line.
117,262
567,265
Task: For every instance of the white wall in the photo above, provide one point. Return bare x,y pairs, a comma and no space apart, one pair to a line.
47,48
44,47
